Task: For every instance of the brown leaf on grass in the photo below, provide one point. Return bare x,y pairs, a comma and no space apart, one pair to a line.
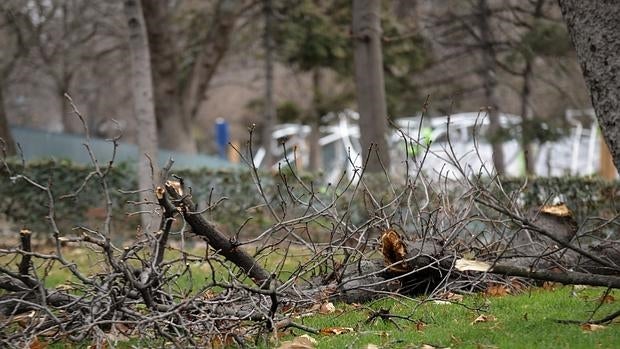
484,318
450,297
420,325
327,308
550,286
301,342
517,285
497,290
607,299
592,327
328,331
37,344
222,341
101,344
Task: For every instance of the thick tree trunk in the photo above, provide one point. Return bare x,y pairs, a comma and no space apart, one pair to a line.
369,82
171,121
5,130
212,52
594,27
489,78
144,109
269,109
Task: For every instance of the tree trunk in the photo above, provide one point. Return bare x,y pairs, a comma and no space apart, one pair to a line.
594,28
315,123
489,78
142,86
171,121
268,98
209,57
7,144
369,82
526,120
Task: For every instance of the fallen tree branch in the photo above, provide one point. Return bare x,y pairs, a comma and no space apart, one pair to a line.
217,240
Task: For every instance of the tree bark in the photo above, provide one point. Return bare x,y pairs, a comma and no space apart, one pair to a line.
212,52
144,109
5,130
269,109
315,162
369,83
594,28
217,240
489,78
171,121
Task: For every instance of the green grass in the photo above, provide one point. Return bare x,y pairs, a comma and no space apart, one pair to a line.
523,321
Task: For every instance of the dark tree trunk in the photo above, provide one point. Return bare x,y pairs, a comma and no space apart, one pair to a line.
369,83
144,109
594,28
315,123
269,109
489,79
5,130
171,121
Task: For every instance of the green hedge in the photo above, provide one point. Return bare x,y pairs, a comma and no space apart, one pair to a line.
26,206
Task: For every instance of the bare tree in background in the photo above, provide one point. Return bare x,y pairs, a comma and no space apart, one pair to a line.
185,56
370,86
594,27
144,108
13,47
62,36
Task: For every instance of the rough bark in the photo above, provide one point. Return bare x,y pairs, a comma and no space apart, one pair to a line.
211,53
526,109
594,30
217,240
268,97
144,109
171,121
369,83
5,131
489,77
315,162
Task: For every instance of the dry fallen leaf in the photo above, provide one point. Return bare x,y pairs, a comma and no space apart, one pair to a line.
328,331
419,326
497,290
37,344
484,318
301,342
450,296
592,327
607,299
327,308
550,286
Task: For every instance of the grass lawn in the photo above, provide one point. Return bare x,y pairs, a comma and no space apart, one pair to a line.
526,320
